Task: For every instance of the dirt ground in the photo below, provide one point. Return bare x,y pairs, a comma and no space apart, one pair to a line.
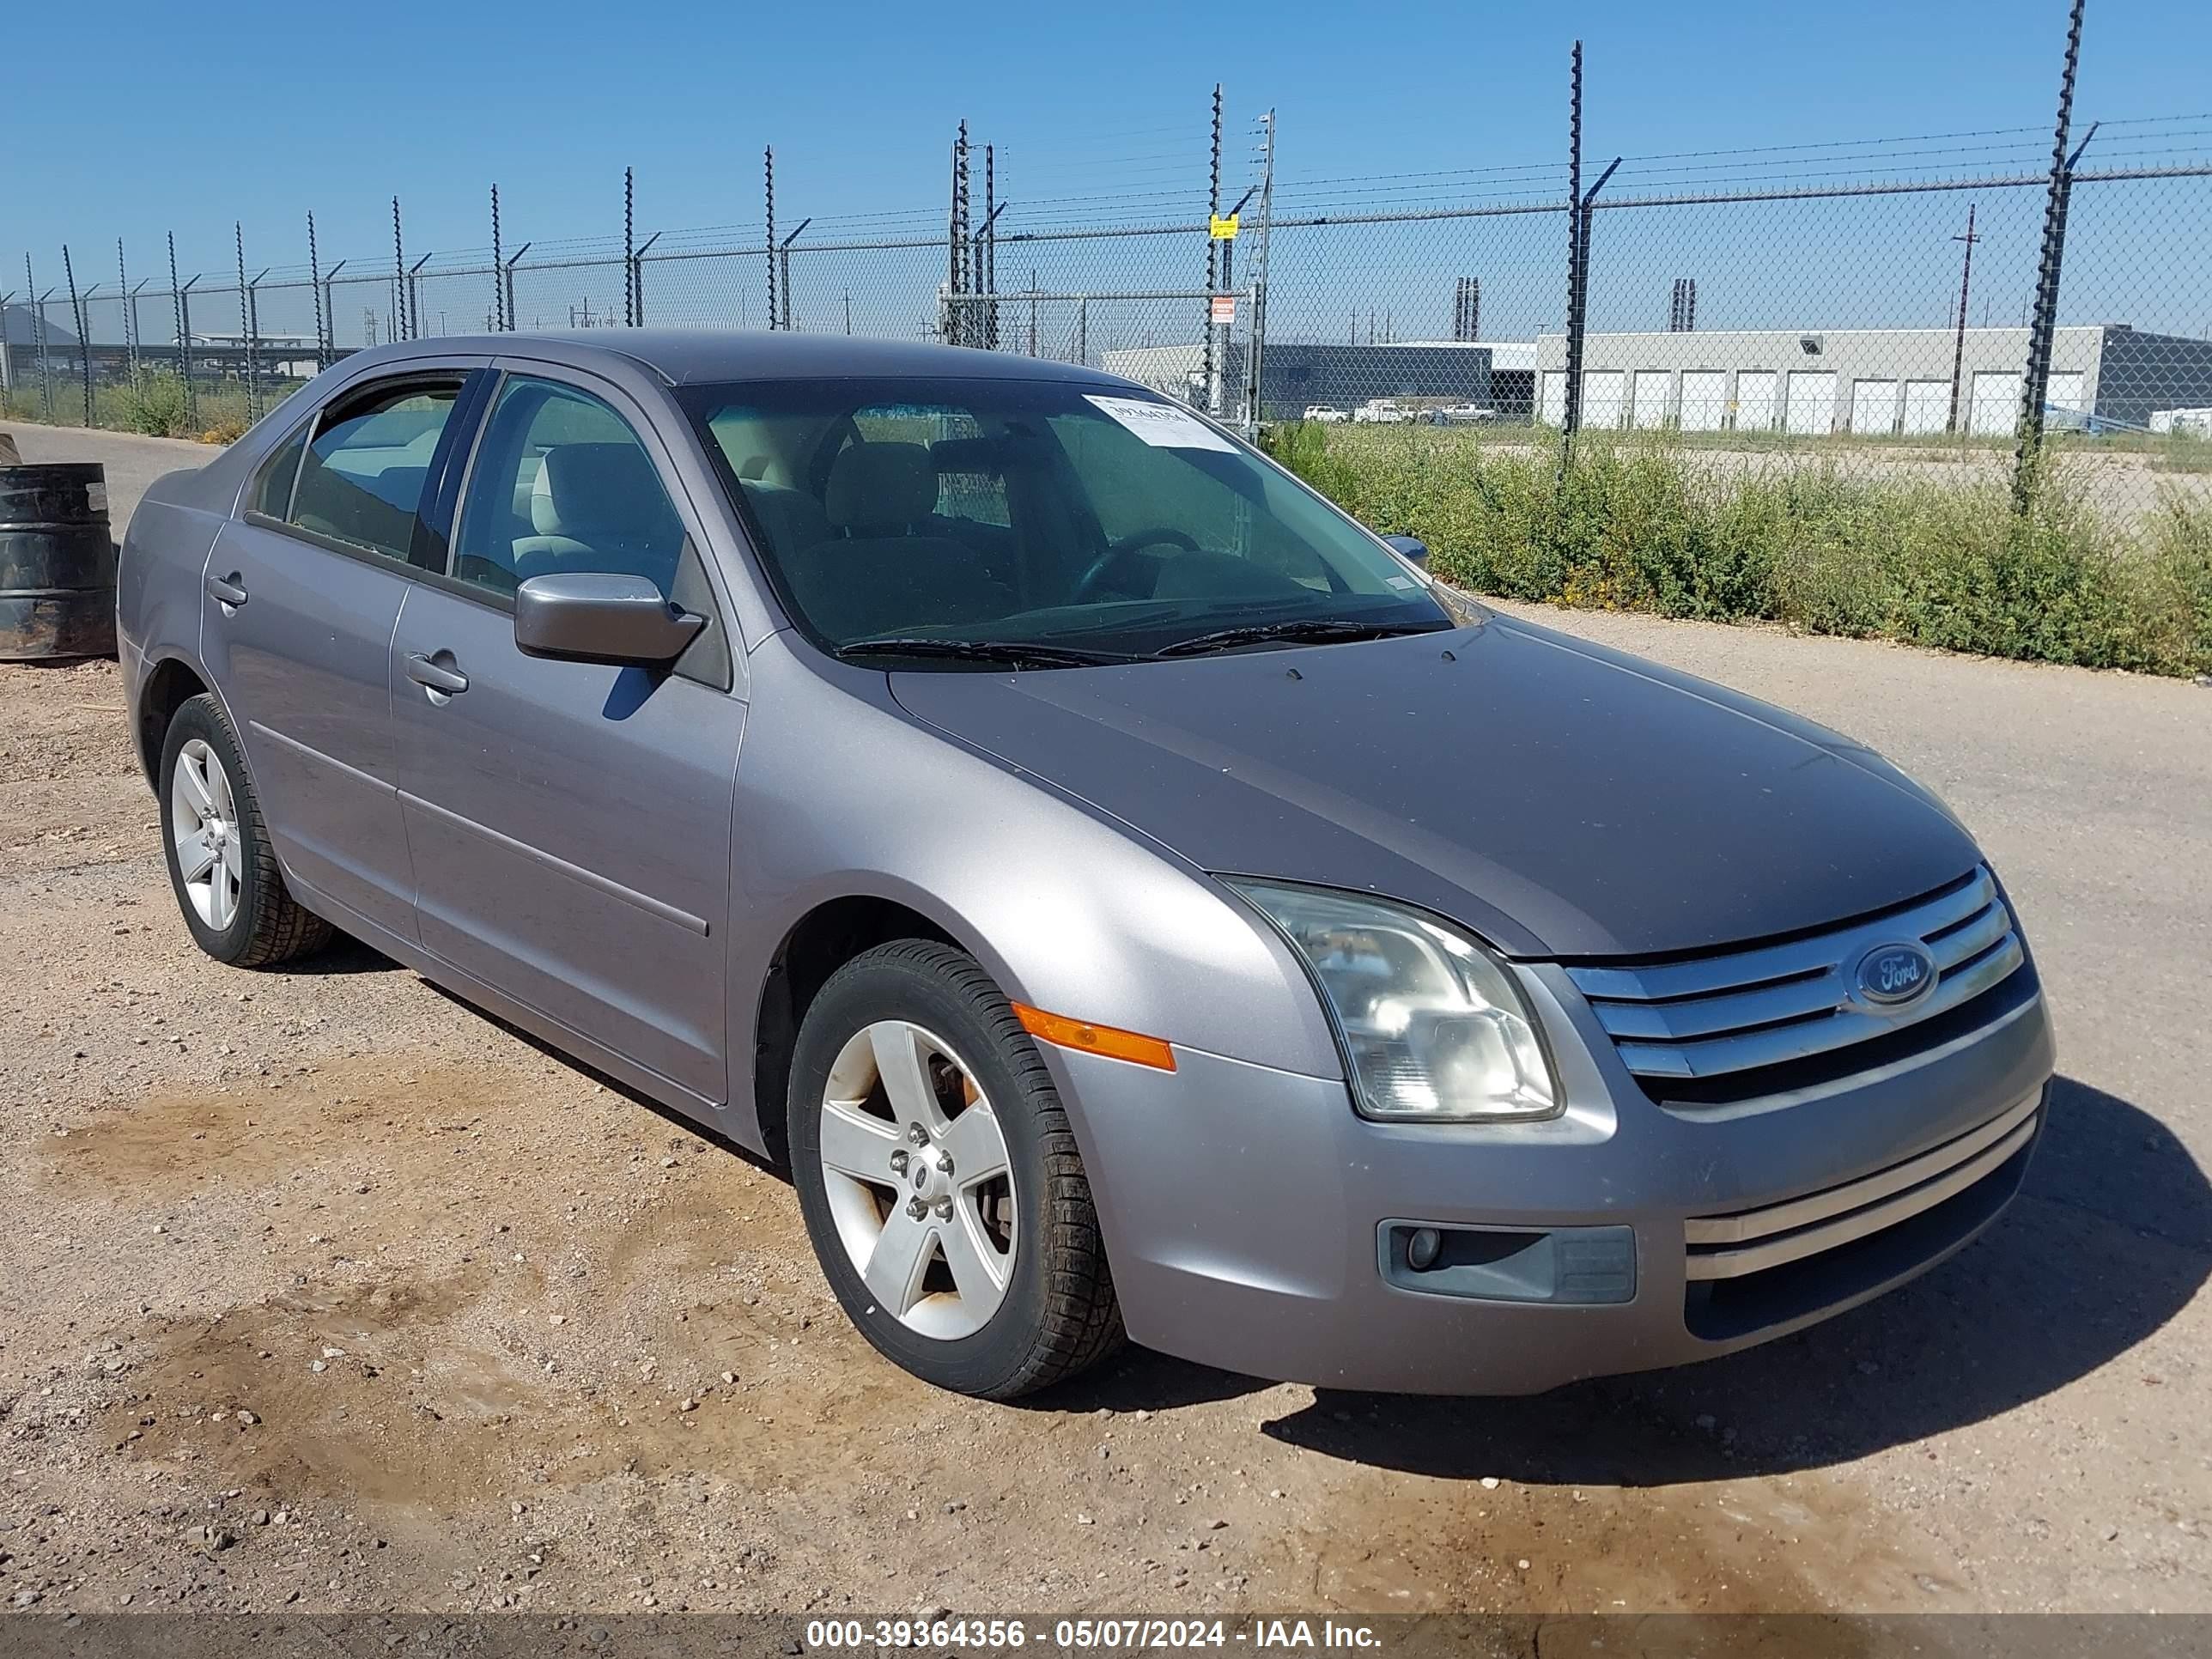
321,1287
318,1289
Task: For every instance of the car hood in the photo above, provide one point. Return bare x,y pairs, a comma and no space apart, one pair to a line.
1560,798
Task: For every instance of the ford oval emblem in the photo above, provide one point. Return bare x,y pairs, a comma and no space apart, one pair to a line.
1892,976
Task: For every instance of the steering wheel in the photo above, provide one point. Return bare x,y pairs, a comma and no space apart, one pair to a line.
1096,580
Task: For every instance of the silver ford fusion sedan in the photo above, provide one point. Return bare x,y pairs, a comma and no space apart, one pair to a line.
1124,893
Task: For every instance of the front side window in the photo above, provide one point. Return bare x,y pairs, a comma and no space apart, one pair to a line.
363,478
1058,515
561,483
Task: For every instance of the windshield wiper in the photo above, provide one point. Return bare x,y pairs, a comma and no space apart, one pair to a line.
1018,654
1312,630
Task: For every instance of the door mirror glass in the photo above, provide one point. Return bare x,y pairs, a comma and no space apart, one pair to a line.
1411,547
594,617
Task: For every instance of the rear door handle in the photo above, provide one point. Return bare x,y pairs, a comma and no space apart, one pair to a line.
227,591
435,676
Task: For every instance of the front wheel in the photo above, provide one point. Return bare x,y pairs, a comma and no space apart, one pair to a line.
220,863
939,1180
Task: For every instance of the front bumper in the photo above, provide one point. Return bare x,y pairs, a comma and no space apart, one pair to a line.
1248,1212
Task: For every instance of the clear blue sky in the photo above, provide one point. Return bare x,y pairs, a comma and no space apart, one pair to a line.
259,112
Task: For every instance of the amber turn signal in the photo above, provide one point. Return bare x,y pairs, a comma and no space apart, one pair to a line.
1114,1043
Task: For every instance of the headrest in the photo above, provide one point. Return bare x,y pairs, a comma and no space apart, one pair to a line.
584,487
879,487
985,457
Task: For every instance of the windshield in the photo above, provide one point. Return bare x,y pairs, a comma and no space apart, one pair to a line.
1087,523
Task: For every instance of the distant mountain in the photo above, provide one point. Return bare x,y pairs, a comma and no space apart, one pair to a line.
18,322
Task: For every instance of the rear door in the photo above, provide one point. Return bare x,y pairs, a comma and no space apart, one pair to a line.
570,822
302,592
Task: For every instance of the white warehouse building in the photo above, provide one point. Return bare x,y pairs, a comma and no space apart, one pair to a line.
1876,381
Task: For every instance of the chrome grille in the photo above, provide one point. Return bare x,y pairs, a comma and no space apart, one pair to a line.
1752,1241
1721,1014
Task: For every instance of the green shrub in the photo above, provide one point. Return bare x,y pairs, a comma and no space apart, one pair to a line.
1640,522
156,406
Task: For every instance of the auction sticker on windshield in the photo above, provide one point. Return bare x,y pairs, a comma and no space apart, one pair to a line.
1163,426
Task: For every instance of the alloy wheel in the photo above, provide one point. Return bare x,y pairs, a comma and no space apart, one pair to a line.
919,1180
205,829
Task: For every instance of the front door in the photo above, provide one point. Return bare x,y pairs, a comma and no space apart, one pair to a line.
570,822
303,592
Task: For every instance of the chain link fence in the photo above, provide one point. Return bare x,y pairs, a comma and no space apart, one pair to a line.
1887,308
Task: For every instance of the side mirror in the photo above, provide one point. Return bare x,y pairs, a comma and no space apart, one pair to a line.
1411,548
591,617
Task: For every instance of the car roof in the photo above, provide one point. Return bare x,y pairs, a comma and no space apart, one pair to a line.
686,357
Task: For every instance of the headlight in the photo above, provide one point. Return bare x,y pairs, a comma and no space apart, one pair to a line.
1434,1028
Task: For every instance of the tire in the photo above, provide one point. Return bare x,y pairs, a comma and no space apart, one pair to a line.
1055,1314
237,908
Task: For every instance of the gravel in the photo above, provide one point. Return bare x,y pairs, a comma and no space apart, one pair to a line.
187,1149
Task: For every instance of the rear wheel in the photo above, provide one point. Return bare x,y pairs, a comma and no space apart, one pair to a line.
939,1179
220,863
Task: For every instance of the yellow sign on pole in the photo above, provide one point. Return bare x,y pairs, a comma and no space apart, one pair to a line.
1224,230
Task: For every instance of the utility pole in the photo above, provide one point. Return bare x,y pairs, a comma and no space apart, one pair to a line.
956,333
767,162
507,282
630,248
1255,328
783,260
83,342
315,292
986,254
952,239
184,340
130,314
1571,411
2035,384
1958,351
1212,261
399,277
245,326
499,318
637,279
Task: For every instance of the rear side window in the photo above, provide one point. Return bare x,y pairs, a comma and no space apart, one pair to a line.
272,490
363,478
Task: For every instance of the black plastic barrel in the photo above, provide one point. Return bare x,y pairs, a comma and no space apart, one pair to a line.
57,563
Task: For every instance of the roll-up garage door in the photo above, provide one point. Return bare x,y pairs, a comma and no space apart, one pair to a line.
1652,389
1874,408
1603,394
1552,410
1927,406
1704,399
1812,401
1754,400
1996,402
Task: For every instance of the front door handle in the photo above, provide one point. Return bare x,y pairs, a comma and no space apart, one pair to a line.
227,591
435,676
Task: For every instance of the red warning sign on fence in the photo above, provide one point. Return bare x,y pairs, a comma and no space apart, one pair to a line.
1225,310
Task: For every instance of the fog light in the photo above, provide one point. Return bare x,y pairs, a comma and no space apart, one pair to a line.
1421,1248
